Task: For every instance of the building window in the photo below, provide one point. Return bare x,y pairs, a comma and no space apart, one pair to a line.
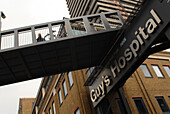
65,88
145,70
77,111
104,107
50,111
70,78
167,70
40,101
120,106
47,83
54,111
60,96
157,71
140,106
162,104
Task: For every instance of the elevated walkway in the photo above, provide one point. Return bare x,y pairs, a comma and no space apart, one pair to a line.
71,44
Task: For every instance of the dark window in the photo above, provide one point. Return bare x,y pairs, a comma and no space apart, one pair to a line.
145,70
70,78
60,96
65,88
140,106
162,104
157,71
120,106
104,107
77,111
167,70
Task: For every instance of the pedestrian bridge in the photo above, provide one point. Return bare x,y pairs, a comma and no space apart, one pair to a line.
71,44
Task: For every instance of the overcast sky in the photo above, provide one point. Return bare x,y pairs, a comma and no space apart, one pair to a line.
23,13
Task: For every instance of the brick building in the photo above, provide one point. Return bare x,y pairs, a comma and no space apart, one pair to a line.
147,90
26,105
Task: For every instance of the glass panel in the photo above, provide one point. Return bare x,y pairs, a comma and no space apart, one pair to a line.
60,97
145,70
77,111
54,111
140,106
50,111
59,30
25,37
42,34
48,82
157,71
120,105
39,104
167,70
113,20
96,23
65,88
105,106
70,78
78,27
162,104
7,41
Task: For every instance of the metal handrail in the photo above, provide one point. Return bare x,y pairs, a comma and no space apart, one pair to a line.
32,30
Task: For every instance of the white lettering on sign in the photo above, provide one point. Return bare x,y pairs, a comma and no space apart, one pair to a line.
95,94
142,34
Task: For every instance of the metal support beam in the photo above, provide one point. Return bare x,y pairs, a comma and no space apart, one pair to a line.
33,34
16,38
88,27
105,22
68,28
51,31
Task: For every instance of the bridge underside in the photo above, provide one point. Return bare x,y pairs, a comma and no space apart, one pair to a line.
55,56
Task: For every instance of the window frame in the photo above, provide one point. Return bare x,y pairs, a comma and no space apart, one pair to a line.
143,104
50,111
65,88
159,70
53,106
162,98
118,105
147,70
60,97
70,84
168,73
77,109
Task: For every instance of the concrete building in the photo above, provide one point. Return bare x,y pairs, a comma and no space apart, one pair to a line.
26,105
86,7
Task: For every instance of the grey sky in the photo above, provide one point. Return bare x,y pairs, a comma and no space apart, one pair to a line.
23,13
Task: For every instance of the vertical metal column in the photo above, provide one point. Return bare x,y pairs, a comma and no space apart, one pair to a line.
124,101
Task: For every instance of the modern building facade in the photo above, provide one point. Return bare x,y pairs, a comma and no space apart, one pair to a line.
26,105
86,7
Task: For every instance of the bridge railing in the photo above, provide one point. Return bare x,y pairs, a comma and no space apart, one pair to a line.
73,27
